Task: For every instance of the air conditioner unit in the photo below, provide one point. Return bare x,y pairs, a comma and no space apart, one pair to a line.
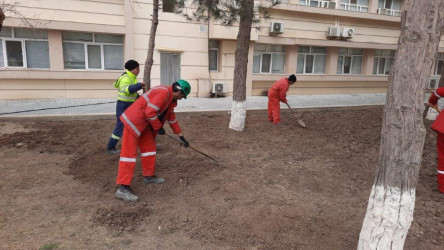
219,88
433,82
334,31
276,27
347,32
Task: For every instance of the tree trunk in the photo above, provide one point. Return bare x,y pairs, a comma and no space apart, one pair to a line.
149,59
2,18
239,108
392,199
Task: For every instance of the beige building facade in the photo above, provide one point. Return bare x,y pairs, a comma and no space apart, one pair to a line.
77,48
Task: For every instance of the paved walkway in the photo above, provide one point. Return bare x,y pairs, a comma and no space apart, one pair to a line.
57,107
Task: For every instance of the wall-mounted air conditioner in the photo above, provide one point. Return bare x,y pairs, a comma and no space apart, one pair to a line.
334,31
276,27
219,88
433,82
347,32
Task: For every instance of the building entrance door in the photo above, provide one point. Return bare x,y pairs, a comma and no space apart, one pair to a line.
169,68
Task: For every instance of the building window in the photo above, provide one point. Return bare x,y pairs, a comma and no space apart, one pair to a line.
349,61
92,51
24,48
311,60
354,5
319,3
439,63
269,59
389,7
213,54
169,6
383,61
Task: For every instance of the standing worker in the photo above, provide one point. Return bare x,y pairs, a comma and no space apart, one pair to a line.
278,92
438,126
143,121
126,95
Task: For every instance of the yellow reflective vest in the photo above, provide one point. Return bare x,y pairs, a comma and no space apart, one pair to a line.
122,85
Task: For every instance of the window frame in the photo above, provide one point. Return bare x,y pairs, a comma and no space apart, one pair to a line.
378,58
352,59
268,52
359,7
85,50
24,52
217,56
391,10
439,58
314,60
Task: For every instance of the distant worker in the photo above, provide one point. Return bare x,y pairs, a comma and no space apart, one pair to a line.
277,93
126,95
143,121
438,126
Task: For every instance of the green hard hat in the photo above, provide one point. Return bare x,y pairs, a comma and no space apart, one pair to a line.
185,87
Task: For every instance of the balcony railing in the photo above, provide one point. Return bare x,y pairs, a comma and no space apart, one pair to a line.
353,7
319,4
332,5
389,12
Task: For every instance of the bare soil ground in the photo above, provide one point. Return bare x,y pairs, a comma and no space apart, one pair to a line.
280,187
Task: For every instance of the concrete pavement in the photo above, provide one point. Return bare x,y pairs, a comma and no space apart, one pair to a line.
60,107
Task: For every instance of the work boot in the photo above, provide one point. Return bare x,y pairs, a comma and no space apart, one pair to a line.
125,193
153,180
113,151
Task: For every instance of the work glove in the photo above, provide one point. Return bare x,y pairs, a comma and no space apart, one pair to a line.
185,143
161,131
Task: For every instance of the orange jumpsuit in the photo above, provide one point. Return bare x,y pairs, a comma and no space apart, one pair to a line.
277,93
438,126
141,122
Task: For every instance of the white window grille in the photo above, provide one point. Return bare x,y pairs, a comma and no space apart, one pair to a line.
354,5
311,60
389,7
349,61
24,48
383,61
269,59
319,3
92,51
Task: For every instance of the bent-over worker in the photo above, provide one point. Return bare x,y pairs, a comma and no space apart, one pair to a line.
276,94
143,121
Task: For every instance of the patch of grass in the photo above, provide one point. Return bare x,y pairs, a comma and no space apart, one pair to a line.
49,246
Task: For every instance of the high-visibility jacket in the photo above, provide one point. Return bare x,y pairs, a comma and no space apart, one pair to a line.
279,90
123,84
438,125
151,111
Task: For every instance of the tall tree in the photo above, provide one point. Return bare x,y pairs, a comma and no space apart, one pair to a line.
239,106
229,12
392,198
2,18
149,58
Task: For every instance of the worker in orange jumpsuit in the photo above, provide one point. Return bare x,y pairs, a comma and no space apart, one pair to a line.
143,120
438,126
277,93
